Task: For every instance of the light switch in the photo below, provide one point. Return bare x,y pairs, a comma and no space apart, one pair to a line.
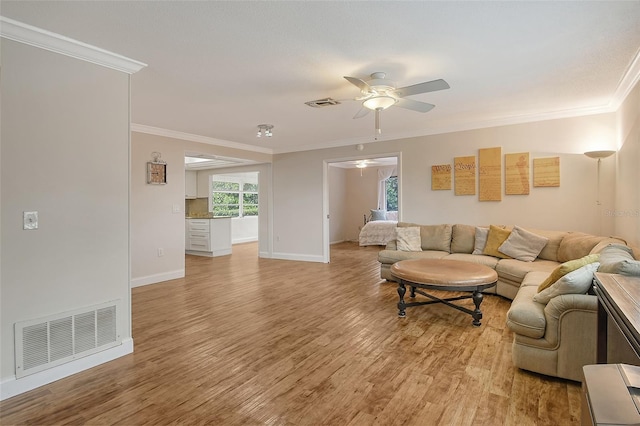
29,220
176,208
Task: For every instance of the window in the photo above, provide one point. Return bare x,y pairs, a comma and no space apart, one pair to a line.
391,185
250,199
233,196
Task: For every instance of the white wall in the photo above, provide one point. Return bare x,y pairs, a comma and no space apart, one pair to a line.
624,215
244,229
298,197
298,205
154,224
337,204
65,154
362,196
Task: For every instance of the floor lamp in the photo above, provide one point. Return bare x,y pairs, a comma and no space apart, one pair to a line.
599,155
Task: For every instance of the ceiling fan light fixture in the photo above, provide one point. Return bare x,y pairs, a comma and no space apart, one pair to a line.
379,102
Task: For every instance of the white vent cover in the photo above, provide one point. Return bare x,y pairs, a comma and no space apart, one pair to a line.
47,342
319,103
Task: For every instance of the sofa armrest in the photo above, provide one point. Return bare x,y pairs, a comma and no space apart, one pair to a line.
526,317
562,305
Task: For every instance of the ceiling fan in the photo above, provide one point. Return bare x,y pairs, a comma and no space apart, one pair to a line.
378,93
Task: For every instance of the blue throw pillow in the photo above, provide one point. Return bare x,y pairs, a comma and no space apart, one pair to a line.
378,214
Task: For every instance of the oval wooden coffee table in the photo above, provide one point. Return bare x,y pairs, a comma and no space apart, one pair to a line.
447,275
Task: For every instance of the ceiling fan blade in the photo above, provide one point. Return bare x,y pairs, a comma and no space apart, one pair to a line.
363,111
428,86
414,105
362,85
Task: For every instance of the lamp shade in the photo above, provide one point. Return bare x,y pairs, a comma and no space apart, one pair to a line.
379,102
599,154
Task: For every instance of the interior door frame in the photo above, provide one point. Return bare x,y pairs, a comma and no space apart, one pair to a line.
326,225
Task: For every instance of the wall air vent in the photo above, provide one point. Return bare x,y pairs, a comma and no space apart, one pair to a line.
47,342
322,103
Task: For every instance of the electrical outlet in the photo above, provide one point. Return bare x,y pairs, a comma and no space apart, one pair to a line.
160,252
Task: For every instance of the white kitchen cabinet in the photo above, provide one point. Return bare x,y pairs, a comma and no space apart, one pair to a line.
190,184
203,186
208,237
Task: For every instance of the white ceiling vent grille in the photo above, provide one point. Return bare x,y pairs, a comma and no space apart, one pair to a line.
47,342
319,103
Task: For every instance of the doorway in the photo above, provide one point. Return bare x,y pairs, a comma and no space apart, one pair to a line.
250,228
352,188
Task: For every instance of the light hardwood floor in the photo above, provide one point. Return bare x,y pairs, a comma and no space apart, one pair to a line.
249,341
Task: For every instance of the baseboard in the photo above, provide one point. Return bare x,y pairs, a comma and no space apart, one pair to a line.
337,242
300,257
11,386
245,240
157,278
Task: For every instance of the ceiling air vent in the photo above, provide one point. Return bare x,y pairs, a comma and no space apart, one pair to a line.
319,103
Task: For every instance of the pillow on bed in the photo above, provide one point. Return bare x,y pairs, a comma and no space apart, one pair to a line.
378,214
408,239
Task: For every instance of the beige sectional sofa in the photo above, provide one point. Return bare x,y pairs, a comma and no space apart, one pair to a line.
555,339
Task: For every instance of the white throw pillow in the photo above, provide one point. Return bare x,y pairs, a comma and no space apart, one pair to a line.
408,239
481,240
576,282
523,245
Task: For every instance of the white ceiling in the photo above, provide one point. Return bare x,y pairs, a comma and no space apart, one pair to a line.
218,69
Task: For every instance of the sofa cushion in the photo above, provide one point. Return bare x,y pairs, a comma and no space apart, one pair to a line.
550,251
618,259
495,238
434,237
392,256
526,317
575,282
576,245
408,239
607,242
523,245
534,278
481,259
567,267
480,240
462,238
515,270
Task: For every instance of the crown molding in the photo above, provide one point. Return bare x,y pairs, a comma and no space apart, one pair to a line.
628,82
43,39
463,127
141,128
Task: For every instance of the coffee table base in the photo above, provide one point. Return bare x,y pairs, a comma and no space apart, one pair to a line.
476,295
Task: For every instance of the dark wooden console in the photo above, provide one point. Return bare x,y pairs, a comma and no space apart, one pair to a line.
618,305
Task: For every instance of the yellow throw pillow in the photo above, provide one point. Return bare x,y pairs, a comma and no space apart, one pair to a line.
567,267
495,238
